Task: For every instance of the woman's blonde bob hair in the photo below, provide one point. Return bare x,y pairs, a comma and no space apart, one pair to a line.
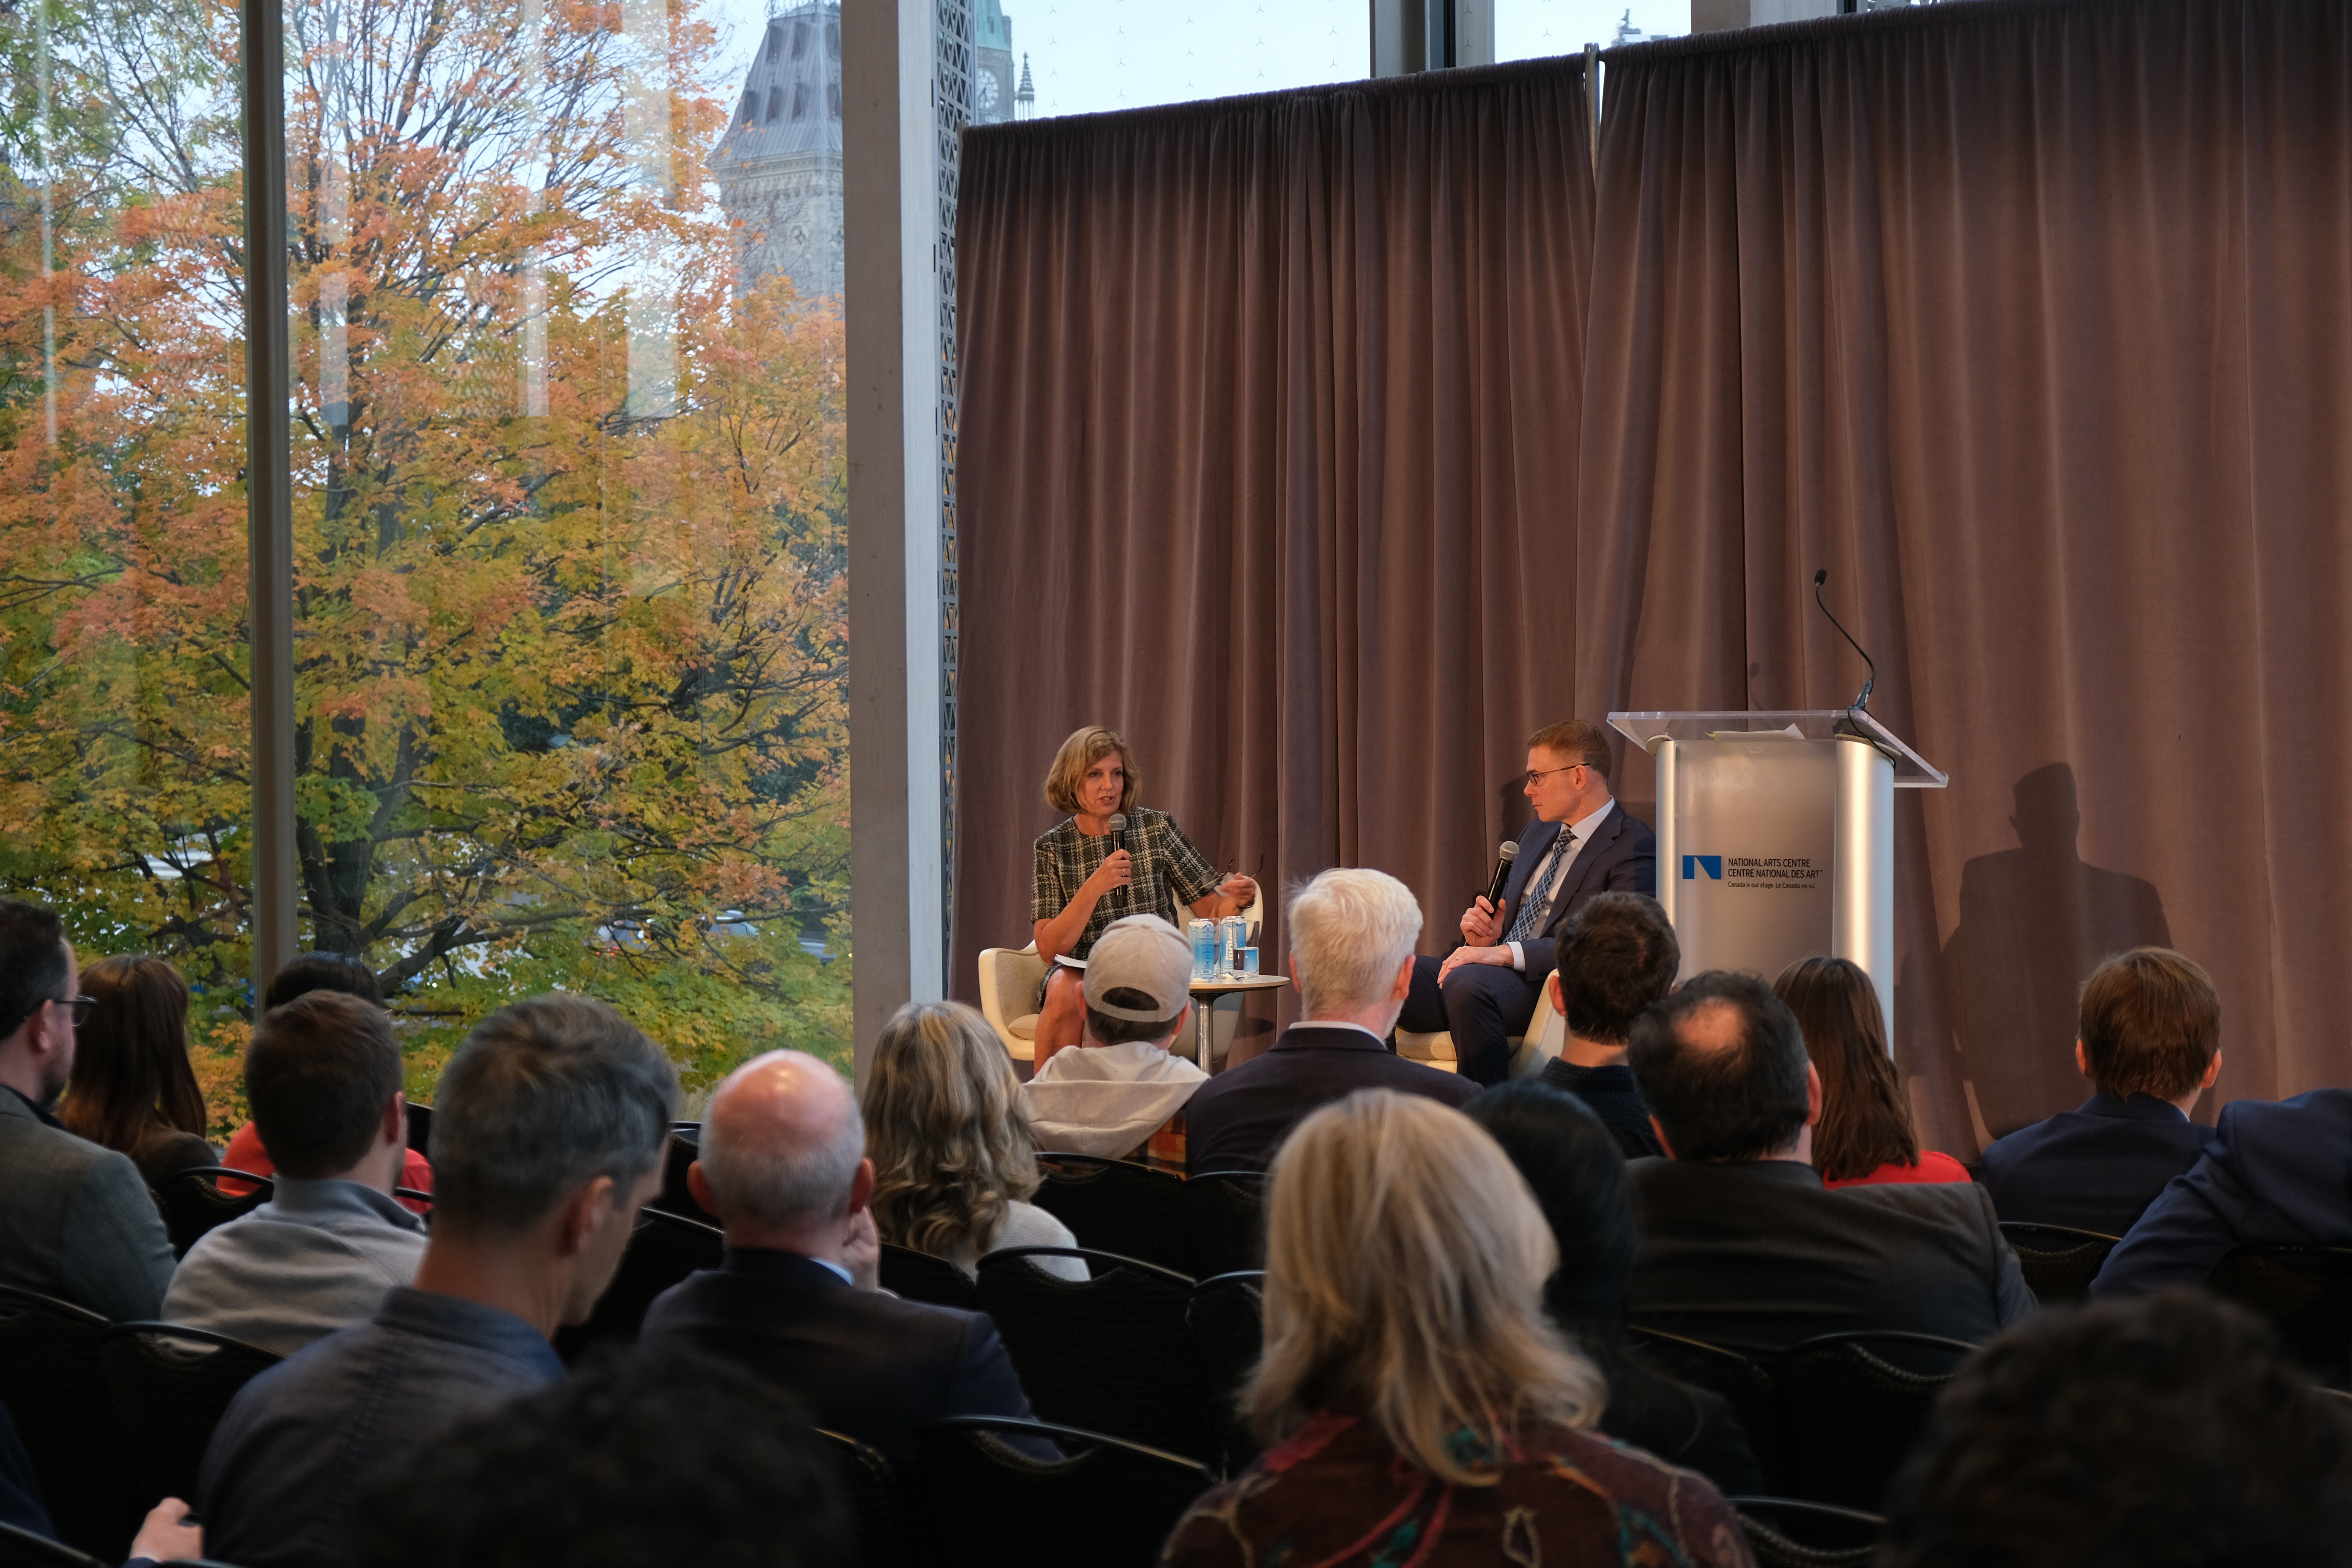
1404,1274
1086,746
947,1129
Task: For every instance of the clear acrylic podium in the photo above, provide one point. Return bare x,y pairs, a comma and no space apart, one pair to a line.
1776,837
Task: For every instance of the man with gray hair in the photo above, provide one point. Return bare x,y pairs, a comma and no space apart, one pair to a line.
783,1166
547,1138
1351,939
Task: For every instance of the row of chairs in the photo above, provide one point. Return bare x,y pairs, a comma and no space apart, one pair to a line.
114,1416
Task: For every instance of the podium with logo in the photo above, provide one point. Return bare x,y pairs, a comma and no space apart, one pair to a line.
1776,837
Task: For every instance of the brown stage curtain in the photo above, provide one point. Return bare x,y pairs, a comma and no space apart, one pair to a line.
1267,459
2034,325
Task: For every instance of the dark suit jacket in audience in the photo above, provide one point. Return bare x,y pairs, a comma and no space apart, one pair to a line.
1758,1254
1238,1119
2095,1167
1614,1098
75,1222
2276,1173
303,1441
864,1364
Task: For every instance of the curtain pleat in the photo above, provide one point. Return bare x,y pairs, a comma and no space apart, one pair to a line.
2033,323
1268,460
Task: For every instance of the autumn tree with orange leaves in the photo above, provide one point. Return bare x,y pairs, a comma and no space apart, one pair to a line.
569,613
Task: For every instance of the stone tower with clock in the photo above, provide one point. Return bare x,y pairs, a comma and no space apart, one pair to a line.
992,79
778,167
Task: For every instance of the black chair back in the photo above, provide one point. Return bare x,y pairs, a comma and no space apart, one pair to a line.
1746,1381
1107,1503
2058,1263
420,1127
52,1381
1110,1353
1116,1206
1227,1317
919,1277
1785,1533
662,1250
886,1534
23,1549
171,1386
194,1201
1857,1405
2306,1293
676,1198
1226,1213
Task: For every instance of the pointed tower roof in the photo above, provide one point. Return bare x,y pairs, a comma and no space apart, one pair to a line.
792,94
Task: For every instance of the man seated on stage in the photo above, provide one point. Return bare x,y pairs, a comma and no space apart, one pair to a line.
783,1166
1740,1242
1616,956
2150,1045
1109,1093
2272,1176
1351,938
1581,844
323,1076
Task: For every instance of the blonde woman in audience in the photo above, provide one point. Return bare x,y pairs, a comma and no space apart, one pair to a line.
1420,1406
954,1162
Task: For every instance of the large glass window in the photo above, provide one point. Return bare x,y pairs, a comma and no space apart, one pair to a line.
1529,29
125,795
570,603
1085,57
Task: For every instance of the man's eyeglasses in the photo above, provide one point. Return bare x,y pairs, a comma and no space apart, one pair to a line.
1535,777
80,1006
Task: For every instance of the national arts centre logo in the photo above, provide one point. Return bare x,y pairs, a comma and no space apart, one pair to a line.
1788,873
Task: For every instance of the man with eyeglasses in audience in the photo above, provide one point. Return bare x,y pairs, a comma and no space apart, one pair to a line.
75,1222
1581,844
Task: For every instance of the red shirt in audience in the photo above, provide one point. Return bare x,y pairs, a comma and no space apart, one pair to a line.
1932,1167
246,1153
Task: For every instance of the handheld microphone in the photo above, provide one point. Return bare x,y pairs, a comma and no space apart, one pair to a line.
1862,702
1508,852
1119,830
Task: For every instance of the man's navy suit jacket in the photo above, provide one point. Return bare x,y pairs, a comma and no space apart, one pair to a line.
863,1363
1622,859
1238,1119
2276,1173
2096,1167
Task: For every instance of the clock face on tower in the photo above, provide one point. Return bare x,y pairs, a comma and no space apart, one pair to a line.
990,90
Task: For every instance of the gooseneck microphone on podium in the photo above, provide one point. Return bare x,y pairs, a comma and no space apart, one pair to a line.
1119,830
1862,702
1504,856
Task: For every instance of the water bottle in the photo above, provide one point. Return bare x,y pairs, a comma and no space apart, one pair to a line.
1203,933
1231,933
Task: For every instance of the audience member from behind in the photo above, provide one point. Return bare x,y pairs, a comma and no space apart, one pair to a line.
1120,1084
321,971
1864,1137
1741,1243
1616,956
2161,1433
323,1076
78,1223
662,1457
132,1089
954,1157
1351,938
2151,1046
547,1137
1418,1403
1572,1166
782,1166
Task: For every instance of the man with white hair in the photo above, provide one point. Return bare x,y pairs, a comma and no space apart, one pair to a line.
783,1166
1351,938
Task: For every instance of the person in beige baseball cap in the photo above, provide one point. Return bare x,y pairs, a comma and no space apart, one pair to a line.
1108,1093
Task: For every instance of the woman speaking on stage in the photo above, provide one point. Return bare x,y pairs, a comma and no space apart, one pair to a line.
1085,880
